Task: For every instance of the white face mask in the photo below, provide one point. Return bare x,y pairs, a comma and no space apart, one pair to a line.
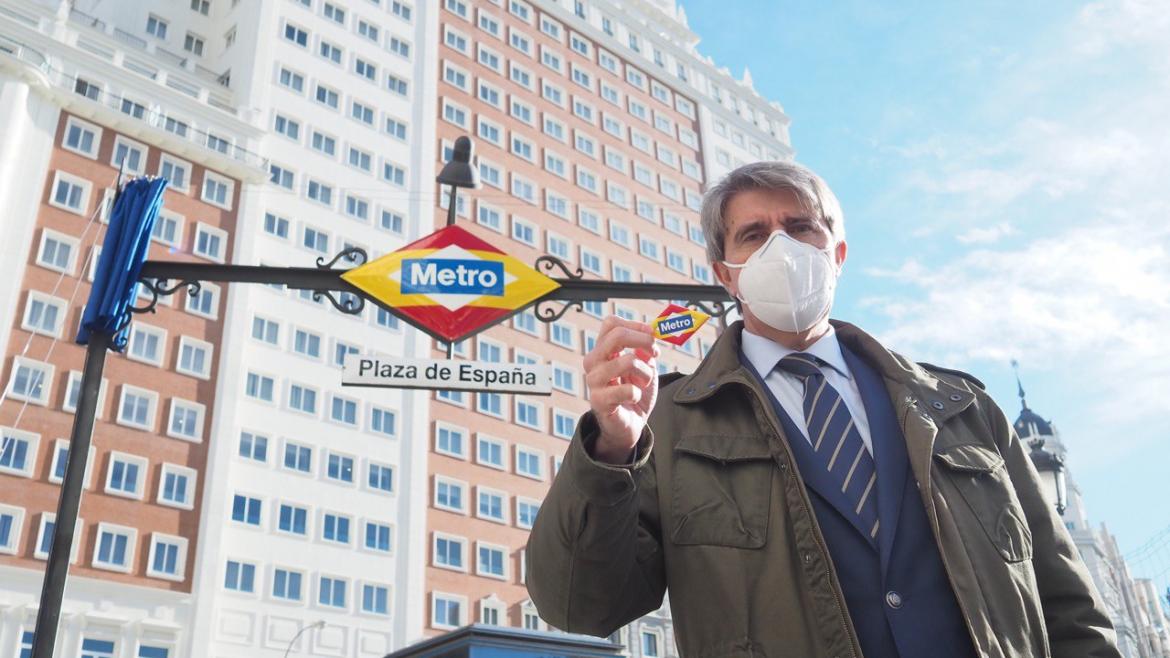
788,284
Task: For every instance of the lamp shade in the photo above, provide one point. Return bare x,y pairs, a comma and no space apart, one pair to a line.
459,171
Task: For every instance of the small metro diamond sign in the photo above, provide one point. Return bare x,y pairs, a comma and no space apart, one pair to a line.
450,283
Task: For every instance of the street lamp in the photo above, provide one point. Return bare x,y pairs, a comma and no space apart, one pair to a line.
459,172
1051,468
319,624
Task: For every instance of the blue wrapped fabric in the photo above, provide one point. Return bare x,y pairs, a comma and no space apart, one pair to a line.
115,285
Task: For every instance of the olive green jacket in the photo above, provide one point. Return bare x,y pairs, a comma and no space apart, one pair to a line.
714,509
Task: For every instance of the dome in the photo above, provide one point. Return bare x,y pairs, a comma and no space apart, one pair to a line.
1030,424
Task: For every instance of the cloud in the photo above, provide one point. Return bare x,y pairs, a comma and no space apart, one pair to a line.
1075,168
986,235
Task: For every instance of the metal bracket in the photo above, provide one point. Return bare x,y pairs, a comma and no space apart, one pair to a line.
350,304
548,263
352,254
159,288
546,311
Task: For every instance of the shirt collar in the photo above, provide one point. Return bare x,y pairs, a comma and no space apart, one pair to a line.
764,353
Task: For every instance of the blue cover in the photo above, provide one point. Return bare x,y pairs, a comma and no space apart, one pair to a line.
115,285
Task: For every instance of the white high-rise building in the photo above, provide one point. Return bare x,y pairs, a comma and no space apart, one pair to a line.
313,493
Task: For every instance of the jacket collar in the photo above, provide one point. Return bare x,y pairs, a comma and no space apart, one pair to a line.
907,381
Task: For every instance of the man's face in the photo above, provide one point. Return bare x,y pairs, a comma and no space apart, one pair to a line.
752,215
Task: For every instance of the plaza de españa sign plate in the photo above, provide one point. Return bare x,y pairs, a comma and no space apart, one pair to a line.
450,283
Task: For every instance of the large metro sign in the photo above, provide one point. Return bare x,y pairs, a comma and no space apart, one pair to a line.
450,283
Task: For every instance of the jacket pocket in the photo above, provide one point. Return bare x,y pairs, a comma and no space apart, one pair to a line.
721,490
982,480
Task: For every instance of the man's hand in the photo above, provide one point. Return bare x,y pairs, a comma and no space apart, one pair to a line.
622,380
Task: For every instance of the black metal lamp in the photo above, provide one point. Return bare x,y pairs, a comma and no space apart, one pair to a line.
459,172
1051,468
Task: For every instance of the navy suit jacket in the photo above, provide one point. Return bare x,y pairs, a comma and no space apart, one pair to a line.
899,598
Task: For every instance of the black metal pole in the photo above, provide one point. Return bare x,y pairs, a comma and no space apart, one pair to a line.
451,206
57,570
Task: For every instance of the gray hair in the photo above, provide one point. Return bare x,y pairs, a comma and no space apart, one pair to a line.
811,191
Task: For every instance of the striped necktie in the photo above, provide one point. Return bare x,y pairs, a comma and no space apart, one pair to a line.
836,443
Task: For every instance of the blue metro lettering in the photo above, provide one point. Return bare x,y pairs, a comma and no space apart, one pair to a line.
449,276
677,324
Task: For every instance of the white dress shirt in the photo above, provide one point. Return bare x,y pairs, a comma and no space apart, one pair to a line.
764,354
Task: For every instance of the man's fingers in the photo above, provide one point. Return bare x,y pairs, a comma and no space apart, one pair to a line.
615,341
629,364
612,321
608,399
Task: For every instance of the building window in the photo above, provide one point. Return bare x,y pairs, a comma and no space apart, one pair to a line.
490,561
18,451
383,421
156,27
82,137
563,335
126,475
204,303
340,468
298,457
240,576
446,610
210,242
331,592
146,344
286,584
137,407
526,512
490,505
186,421
11,520
70,193
490,452
448,552
254,447
193,43
330,52
381,478
168,557
57,252
450,440
246,510
43,314
334,13
378,537
302,398
564,379
176,487
260,387
376,599
529,461
114,549
293,519
449,495
335,528
650,643
217,190
194,357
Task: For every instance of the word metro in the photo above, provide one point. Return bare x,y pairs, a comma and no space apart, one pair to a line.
452,277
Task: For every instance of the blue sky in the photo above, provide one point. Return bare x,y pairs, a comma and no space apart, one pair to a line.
1005,173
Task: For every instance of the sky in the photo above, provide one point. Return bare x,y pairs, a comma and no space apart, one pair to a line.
1004,168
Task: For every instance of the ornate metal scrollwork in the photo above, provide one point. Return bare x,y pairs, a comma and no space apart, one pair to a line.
352,254
159,288
716,310
349,304
547,311
548,263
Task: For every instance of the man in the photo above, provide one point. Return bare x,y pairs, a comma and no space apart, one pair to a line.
805,492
